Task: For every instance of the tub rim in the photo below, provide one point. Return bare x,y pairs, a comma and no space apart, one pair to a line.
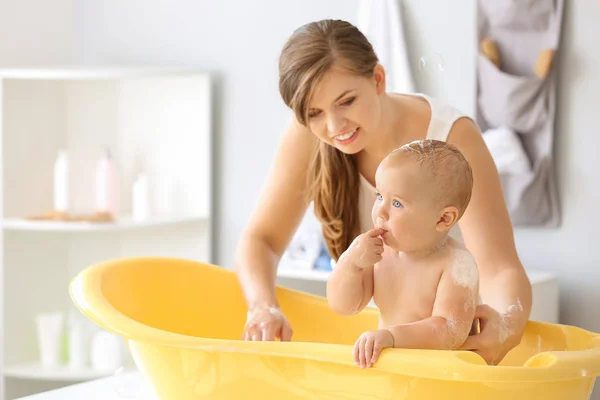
457,365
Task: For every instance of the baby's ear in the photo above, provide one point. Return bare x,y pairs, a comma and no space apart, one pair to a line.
447,219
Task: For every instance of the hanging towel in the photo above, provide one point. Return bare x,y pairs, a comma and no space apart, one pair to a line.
507,151
381,22
510,95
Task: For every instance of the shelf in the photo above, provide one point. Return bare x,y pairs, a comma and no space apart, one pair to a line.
35,371
309,275
156,121
90,73
535,276
124,223
539,276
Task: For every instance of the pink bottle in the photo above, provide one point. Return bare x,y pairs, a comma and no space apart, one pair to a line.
107,185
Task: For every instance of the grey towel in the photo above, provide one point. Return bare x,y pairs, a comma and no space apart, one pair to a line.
514,97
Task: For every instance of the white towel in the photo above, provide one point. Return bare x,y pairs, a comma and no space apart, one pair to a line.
507,151
381,22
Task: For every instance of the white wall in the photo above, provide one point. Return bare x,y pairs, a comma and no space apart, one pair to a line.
240,41
34,32
37,31
572,250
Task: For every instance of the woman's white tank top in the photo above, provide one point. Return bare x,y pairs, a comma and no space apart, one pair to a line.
443,117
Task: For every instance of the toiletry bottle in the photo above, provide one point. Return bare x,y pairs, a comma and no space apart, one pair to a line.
77,341
107,351
61,182
140,206
106,185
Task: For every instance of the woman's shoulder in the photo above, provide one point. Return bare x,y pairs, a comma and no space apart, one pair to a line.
465,134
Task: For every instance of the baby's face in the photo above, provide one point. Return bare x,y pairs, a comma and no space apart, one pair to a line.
405,207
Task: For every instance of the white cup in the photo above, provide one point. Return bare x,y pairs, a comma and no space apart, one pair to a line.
49,331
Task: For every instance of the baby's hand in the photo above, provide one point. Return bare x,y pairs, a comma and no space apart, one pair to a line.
366,249
369,345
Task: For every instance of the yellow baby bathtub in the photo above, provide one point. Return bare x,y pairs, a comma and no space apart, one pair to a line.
183,322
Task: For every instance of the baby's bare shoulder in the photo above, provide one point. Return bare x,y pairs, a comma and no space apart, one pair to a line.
461,265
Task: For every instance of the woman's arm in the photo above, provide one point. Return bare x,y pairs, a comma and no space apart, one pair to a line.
280,209
487,233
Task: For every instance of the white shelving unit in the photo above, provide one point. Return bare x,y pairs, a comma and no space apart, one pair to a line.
307,275
157,121
121,224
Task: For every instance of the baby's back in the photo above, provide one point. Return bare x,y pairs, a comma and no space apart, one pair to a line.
405,290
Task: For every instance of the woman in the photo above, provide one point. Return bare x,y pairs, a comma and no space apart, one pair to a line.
345,124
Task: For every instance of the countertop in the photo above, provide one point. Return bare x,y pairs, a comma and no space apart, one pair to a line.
126,386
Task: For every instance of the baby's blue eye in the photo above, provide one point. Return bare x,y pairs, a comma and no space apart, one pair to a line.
397,204
379,196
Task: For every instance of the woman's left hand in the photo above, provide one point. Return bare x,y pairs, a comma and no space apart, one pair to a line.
497,336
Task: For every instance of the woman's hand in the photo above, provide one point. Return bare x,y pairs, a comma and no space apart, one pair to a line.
267,323
497,336
370,344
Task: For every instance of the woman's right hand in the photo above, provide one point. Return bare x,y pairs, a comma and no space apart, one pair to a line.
281,206
266,324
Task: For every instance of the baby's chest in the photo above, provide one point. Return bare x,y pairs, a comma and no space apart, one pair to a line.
404,289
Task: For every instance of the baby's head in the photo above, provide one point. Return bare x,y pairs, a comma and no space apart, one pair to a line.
423,189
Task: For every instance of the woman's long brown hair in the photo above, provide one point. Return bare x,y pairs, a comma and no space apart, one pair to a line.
333,180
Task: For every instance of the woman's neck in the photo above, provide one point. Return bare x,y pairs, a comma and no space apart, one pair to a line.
390,133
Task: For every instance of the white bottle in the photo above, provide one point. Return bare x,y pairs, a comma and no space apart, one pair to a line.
78,345
61,182
106,185
107,352
140,203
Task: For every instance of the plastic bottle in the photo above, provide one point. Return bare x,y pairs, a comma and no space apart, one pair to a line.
140,206
77,341
106,351
106,184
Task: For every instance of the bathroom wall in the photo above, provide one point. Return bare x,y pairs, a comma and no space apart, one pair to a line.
37,31
239,42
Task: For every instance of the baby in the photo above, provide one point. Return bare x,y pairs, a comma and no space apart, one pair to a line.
425,283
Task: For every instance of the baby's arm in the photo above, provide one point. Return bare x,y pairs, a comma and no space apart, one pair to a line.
349,289
452,316
350,286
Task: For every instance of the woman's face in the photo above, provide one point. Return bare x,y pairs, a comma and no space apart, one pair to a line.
345,109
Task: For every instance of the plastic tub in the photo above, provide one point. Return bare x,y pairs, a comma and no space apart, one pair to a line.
183,322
